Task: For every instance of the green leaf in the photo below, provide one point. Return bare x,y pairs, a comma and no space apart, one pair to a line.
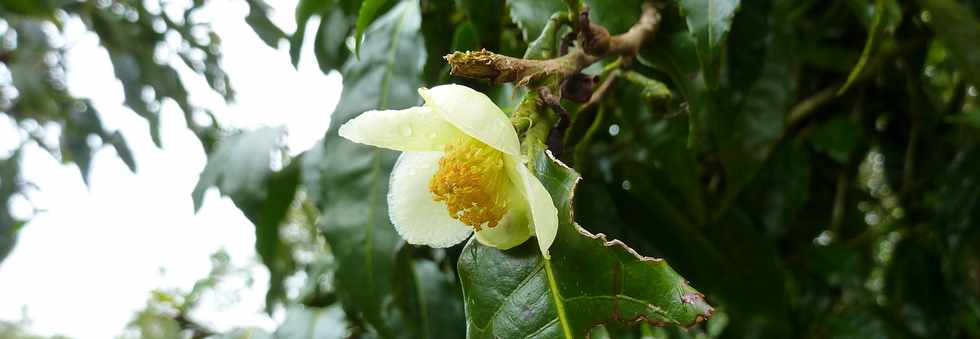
305,9
466,38
337,19
675,54
545,45
118,142
312,322
960,31
532,15
753,119
240,165
429,297
267,215
487,19
709,21
837,137
330,46
241,168
81,123
437,19
616,15
370,9
9,184
258,18
589,280
348,181
29,7
781,188
856,321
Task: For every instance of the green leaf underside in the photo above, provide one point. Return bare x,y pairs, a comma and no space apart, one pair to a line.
589,280
349,181
709,21
258,18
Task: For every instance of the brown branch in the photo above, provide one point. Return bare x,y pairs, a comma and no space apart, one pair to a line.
588,112
498,68
600,92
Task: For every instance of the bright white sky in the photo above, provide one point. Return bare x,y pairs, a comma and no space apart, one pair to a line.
89,259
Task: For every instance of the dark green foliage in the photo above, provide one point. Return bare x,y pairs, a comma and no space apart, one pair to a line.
727,147
589,280
240,167
384,290
799,212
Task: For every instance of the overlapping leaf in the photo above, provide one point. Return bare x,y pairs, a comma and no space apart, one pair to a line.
349,184
590,280
709,22
241,168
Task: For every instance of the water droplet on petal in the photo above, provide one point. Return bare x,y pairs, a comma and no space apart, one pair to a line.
407,131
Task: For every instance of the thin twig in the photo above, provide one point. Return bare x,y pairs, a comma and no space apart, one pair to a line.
499,68
600,92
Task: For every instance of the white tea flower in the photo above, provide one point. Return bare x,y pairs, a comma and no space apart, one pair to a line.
460,171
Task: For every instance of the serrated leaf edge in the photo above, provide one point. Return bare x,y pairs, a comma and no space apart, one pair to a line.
689,298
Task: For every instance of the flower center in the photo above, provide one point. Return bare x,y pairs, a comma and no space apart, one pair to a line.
471,181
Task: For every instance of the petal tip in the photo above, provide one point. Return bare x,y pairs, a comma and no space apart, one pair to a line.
347,131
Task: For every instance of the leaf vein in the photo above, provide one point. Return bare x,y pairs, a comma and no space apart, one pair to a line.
510,296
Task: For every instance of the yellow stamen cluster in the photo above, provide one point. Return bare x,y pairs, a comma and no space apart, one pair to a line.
471,180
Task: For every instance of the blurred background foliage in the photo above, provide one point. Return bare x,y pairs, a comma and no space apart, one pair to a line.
815,170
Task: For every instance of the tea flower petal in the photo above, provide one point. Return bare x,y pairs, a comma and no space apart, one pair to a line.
544,215
511,231
417,217
460,172
411,129
473,113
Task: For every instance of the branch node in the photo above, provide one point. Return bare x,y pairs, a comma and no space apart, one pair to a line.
594,39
